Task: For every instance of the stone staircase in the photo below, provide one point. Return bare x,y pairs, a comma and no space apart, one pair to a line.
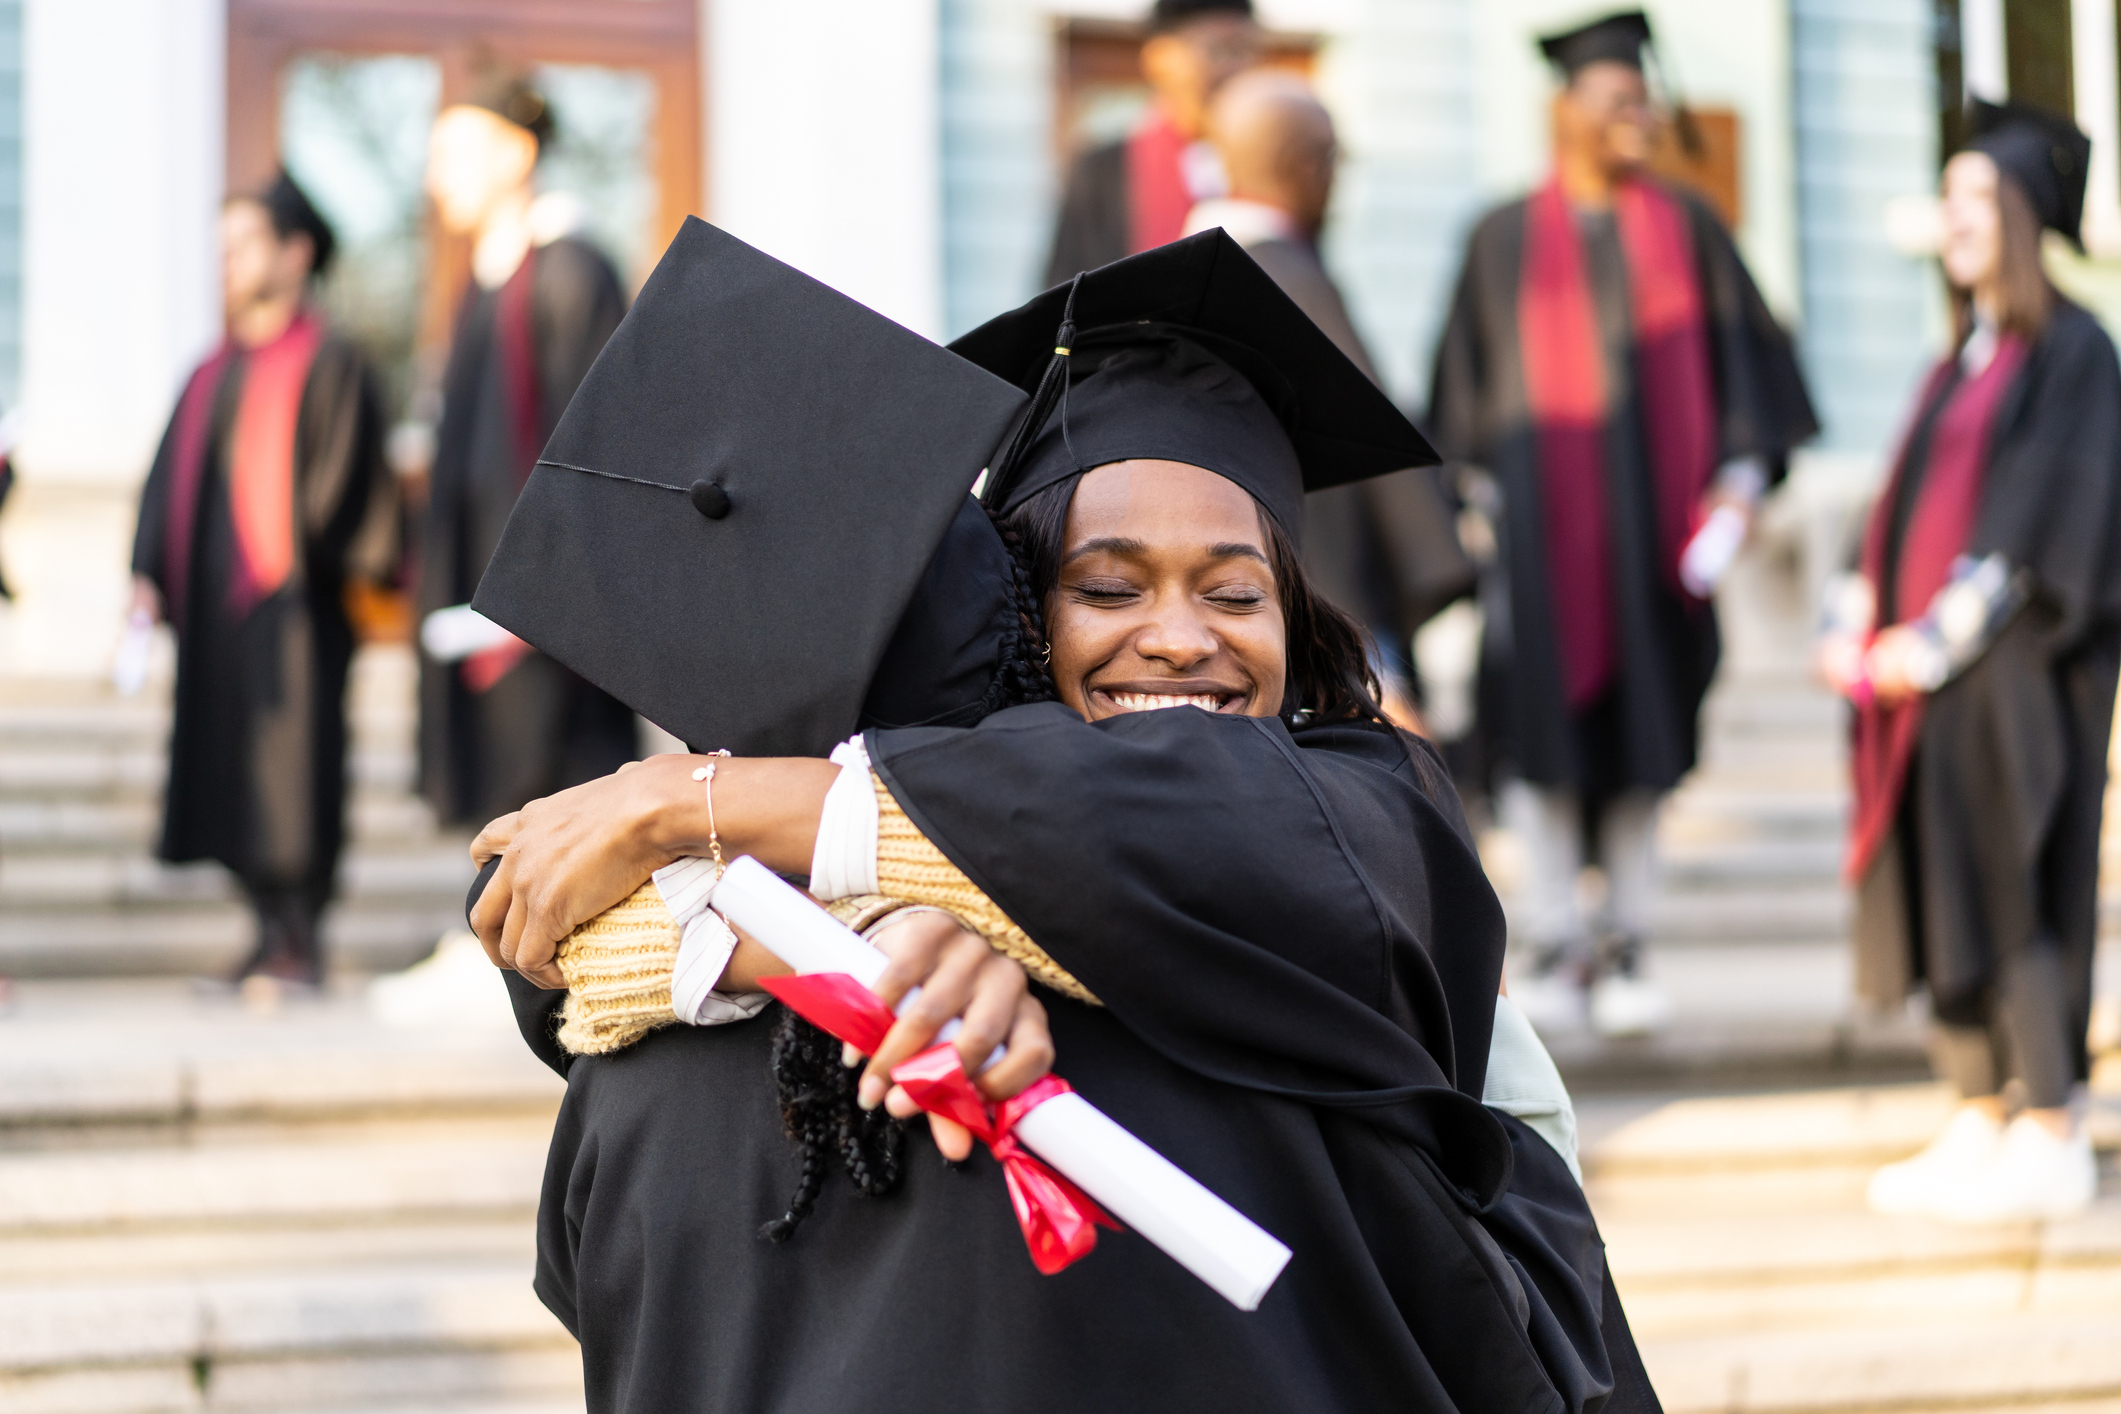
1756,1280
206,1207
81,775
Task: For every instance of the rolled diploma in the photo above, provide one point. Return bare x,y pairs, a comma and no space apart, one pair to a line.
1139,1186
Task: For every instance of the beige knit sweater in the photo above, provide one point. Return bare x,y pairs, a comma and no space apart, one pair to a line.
618,965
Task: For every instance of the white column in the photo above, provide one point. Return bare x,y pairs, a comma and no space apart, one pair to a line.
826,144
1981,53
123,118
2099,114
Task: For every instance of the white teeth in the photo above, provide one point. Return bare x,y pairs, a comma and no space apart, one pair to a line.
1155,701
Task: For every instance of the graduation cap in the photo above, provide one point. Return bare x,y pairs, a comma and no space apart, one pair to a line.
745,495
2048,155
1167,15
1188,352
1616,39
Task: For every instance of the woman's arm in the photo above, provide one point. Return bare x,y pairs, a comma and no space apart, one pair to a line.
570,856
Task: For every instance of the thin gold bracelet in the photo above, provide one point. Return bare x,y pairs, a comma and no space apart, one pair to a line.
705,775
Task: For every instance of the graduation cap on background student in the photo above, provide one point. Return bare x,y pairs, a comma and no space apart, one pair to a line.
2047,154
1621,38
1188,352
738,505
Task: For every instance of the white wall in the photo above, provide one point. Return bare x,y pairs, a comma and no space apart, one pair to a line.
122,155
1730,53
122,151
826,145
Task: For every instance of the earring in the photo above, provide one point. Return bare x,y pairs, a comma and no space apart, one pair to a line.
1045,655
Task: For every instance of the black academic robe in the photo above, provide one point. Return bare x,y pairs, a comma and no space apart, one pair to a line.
1299,955
540,728
1643,732
1385,550
2001,842
1095,226
257,752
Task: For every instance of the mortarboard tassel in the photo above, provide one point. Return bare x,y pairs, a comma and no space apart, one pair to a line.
1052,389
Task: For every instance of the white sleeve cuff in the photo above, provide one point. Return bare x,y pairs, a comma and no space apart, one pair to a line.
1523,1081
844,861
704,948
1744,478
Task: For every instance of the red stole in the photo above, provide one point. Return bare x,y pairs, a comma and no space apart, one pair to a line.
1938,529
261,463
1565,385
516,345
1158,199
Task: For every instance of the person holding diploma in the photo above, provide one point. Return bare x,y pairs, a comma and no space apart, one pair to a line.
1609,363
1979,644
1137,762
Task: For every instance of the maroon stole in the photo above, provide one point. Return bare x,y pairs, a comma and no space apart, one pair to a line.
261,463
515,345
1938,529
1158,201
1565,385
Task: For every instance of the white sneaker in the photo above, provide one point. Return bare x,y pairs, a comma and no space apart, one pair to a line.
2035,1176
1966,1147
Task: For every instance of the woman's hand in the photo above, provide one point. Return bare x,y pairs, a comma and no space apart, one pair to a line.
961,977
1839,662
568,857
1890,664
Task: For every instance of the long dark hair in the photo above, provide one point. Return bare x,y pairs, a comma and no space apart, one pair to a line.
1331,677
2028,297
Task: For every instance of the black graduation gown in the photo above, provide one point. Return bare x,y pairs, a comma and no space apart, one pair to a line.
1385,550
257,752
540,728
2009,771
1643,733
1299,980
1095,226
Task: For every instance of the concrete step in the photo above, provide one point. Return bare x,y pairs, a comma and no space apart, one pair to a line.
32,827
53,881
76,772
208,939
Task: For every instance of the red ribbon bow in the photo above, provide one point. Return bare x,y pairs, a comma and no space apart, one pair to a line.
1059,1220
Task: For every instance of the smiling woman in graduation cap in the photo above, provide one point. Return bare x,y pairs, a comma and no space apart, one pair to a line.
1241,908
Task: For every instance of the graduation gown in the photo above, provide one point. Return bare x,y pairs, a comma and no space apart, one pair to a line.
1120,198
1298,955
257,754
1385,550
520,352
2000,839
1642,732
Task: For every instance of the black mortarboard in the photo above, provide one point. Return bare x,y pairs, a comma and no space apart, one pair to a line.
291,212
1188,352
2048,155
1167,15
1616,38
733,515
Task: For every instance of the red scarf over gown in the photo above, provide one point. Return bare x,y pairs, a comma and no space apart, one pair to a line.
1938,529
1571,404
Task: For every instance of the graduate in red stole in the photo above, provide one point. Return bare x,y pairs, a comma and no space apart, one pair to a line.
268,494
1979,643
1134,194
1610,365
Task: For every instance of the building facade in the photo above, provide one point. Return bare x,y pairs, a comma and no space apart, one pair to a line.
909,153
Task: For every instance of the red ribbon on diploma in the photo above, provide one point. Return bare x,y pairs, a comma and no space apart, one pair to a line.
1059,1220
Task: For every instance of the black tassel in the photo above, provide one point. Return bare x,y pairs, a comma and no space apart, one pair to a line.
1052,390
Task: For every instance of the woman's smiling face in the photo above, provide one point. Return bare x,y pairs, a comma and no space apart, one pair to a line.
1166,597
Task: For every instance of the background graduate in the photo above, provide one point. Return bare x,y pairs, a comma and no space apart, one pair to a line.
269,492
1980,642
1132,195
1253,926
1608,361
504,724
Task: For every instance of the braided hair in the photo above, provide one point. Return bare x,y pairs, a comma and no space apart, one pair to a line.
816,1092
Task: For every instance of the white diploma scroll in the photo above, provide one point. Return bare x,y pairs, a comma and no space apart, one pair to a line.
1137,1185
